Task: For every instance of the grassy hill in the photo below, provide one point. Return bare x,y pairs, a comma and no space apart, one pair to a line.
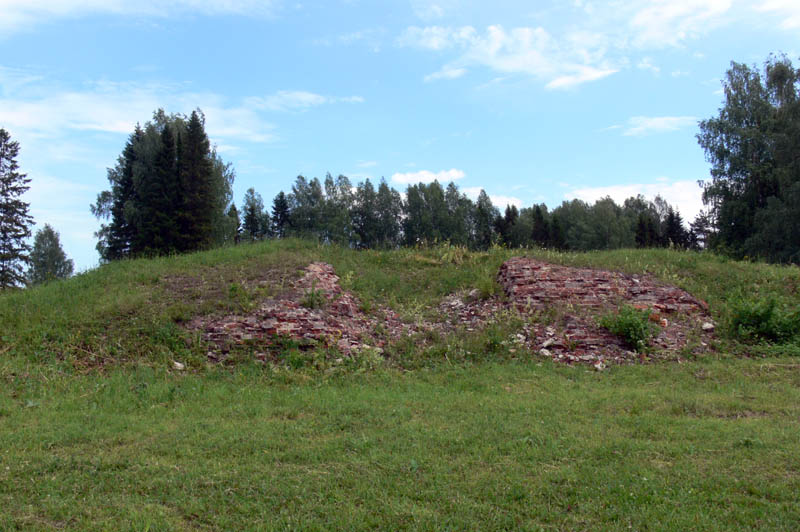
99,431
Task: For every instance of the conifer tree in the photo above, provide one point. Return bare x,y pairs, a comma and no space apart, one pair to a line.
48,260
253,215
159,196
197,209
280,215
15,221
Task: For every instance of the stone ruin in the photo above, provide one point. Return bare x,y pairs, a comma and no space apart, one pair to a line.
561,306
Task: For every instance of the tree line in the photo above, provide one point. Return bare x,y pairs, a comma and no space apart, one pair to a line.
363,216
171,192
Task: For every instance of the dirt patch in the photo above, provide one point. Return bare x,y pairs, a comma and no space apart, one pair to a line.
559,306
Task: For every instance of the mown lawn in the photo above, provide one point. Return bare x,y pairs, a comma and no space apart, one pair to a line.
528,445
99,432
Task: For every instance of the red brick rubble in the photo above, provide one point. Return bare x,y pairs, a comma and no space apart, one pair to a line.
336,322
579,295
559,306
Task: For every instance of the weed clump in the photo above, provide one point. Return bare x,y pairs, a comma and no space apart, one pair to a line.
762,319
632,325
314,298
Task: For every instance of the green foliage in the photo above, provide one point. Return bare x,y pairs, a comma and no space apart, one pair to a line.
15,222
47,260
752,319
752,146
169,192
632,325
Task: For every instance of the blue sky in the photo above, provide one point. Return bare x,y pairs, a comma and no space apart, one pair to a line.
532,101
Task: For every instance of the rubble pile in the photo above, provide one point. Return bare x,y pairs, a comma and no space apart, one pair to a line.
315,309
578,295
560,307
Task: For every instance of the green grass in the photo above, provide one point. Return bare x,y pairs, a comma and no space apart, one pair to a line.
132,311
702,446
451,432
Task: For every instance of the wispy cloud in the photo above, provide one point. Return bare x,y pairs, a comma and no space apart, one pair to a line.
788,10
22,14
446,72
638,126
595,45
367,164
524,50
426,176
297,101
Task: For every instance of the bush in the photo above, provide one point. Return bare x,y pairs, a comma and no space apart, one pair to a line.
630,324
754,320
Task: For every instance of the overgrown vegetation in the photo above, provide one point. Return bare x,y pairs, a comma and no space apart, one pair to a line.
632,325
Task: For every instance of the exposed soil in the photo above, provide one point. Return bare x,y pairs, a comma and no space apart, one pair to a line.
560,306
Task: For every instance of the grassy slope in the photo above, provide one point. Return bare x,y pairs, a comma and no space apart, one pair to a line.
708,445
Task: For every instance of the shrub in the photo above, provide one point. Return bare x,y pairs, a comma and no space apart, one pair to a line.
753,320
630,324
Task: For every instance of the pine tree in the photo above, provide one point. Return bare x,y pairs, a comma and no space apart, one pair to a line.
280,215
15,221
48,260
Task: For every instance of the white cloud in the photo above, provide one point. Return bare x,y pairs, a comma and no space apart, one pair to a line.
595,43
583,75
426,176
647,64
638,126
528,51
788,10
498,200
429,10
117,107
437,38
664,23
21,14
686,196
446,73
367,164
297,101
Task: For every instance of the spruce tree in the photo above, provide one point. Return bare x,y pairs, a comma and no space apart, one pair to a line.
280,215
158,193
15,221
197,209
48,260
